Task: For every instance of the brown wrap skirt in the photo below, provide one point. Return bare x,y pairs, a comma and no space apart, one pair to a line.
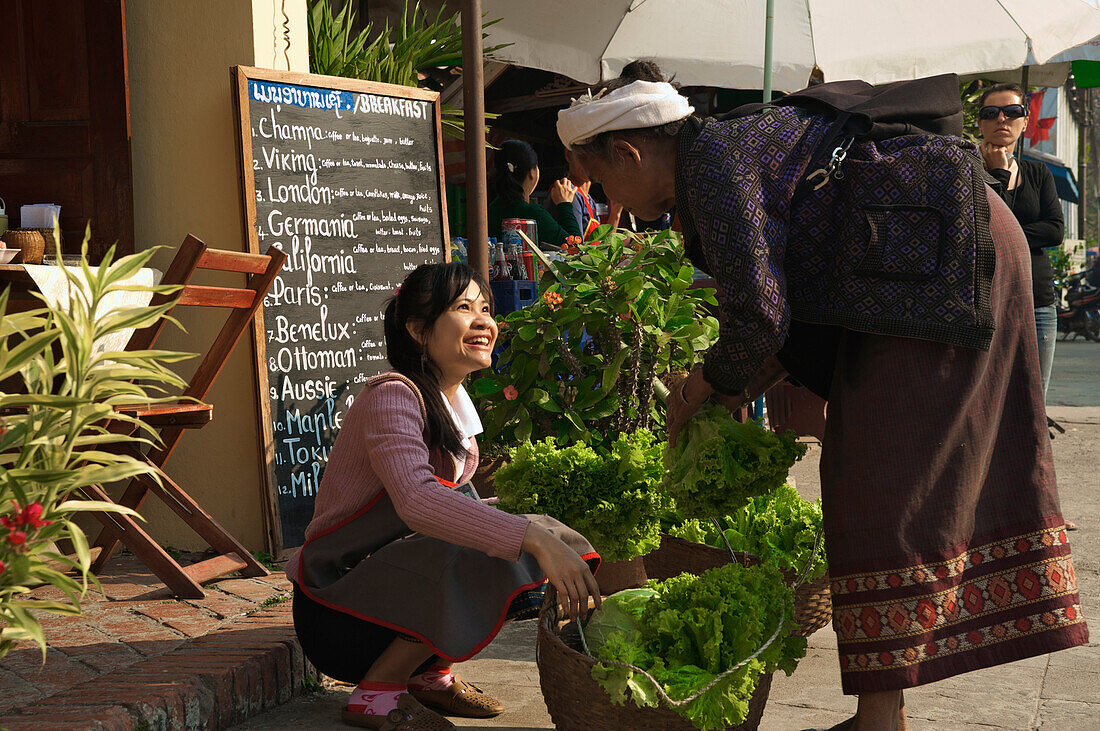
946,543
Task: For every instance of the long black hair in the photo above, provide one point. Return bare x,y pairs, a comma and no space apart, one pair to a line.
512,163
426,294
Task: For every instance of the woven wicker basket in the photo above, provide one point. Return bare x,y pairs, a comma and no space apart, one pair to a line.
675,556
50,252
577,702
813,605
614,576
30,242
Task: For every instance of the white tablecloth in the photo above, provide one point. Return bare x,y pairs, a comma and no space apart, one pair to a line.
51,281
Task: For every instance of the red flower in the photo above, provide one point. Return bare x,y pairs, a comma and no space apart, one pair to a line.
2,567
17,538
511,393
32,515
23,517
553,300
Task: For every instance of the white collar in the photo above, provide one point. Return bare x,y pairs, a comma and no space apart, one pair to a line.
464,415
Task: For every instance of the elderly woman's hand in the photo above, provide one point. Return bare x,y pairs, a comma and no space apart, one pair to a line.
684,400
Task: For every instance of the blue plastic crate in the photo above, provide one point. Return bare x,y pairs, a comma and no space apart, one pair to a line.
514,294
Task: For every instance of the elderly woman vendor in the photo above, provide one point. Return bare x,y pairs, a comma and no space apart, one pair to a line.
901,292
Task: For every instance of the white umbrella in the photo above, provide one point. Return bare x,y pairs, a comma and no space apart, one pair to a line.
721,42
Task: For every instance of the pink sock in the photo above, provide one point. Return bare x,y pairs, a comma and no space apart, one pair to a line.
375,699
434,678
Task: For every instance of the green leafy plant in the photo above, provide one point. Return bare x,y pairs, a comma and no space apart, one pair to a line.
1062,259
613,499
580,363
61,434
719,463
390,55
970,92
690,630
779,527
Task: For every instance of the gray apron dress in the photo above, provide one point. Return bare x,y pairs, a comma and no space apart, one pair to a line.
452,598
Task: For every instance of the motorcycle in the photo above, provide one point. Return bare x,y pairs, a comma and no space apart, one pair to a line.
1081,313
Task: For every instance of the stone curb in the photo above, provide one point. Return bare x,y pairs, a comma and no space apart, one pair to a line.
246,666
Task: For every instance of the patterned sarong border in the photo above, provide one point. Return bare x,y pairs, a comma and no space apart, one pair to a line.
1013,596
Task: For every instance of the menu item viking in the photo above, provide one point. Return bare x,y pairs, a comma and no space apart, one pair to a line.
718,463
346,179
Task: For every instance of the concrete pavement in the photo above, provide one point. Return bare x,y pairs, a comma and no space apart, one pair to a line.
1059,691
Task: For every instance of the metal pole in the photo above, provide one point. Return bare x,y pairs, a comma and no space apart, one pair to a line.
1082,159
769,23
1019,152
473,112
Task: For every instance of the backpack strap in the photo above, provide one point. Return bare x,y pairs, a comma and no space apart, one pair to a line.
395,376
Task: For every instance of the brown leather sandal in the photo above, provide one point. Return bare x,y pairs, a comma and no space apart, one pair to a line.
461,699
409,715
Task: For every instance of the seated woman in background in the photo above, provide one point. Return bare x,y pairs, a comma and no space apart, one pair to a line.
404,570
516,177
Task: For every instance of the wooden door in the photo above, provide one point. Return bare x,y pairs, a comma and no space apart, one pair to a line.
65,117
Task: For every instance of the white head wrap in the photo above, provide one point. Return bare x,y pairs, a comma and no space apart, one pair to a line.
634,106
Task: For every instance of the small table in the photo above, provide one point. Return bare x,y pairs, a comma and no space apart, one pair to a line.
50,281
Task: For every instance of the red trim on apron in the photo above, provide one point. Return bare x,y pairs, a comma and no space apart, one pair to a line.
435,650
591,556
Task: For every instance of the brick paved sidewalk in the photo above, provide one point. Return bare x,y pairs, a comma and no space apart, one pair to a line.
142,659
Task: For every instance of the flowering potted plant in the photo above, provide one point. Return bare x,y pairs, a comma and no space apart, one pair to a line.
60,432
581,363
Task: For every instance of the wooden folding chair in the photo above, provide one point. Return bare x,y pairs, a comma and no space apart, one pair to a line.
170,420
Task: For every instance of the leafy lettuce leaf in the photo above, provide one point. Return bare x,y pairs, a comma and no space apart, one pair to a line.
694,628
613,498
779,527
718,463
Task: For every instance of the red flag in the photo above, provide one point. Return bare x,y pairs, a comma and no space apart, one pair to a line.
1037,129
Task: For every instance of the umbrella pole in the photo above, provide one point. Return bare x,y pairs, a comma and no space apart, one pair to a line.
473,113
769,22
1019,152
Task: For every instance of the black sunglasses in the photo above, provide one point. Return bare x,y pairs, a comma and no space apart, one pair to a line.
1011,111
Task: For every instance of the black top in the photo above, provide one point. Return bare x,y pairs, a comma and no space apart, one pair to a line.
1035,204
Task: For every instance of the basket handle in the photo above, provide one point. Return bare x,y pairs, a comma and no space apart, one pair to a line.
550,601
810,563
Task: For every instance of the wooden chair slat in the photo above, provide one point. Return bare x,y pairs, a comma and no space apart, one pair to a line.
234,261
194,295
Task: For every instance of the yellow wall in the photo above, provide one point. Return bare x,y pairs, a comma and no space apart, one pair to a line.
185,176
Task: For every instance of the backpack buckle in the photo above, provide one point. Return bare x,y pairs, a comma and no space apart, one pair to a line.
832,170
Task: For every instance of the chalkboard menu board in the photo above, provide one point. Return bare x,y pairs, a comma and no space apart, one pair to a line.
346,177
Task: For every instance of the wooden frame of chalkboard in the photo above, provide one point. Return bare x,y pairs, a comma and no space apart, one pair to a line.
347,177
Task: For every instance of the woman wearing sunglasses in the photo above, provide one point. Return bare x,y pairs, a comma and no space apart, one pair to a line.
1028,188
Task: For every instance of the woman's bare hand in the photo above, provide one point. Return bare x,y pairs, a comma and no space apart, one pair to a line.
995,157
564,569
562,191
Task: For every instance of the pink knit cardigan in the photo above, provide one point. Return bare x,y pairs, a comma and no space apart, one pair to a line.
381,447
